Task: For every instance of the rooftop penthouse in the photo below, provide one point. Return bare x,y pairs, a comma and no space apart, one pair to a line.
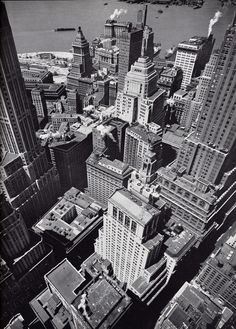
179,242
193,44
97,303
139,210
72,218
143,133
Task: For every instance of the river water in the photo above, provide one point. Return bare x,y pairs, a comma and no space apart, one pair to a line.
33,22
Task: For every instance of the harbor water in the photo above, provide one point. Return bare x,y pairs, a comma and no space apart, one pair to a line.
33,22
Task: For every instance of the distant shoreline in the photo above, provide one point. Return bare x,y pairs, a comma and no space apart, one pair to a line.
59,54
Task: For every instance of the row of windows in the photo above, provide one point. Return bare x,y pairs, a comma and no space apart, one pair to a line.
124,219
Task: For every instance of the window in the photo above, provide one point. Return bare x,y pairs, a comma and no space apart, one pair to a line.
127,221
114,212
121,215
133,227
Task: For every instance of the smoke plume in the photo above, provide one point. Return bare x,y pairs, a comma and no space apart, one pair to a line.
118,12
106,131
214,20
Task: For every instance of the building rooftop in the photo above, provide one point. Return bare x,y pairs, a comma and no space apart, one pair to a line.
151,243
8,158
194,43
48,308
147,136
157,94
174,138
190,306
95,265
115,167
51,86
17,322
65,278
188,183
180,243
225,258
67,138
181,93
97,303
71,216
170,71
133,206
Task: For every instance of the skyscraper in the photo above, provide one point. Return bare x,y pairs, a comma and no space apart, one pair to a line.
192,56
105,176
138,140
141,100
130,44
204,153
28,181
26,259
82,64
129,238
78,79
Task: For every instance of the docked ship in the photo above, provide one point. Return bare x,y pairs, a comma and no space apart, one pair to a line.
62,29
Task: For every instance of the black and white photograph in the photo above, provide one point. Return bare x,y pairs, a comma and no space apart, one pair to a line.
118,164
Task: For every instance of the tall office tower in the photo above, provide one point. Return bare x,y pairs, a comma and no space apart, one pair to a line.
205,78
14,234
69,155
79,76
209,151
26,258
112,92
138,140
217,275
120,126
73,101
192,56
141,101
39,101
29,182
105,176
81,64
192,107
130,44
130,240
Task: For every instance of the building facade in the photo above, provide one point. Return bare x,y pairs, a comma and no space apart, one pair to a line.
28,181
209,151
138,140
105,176
192,56
130,240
